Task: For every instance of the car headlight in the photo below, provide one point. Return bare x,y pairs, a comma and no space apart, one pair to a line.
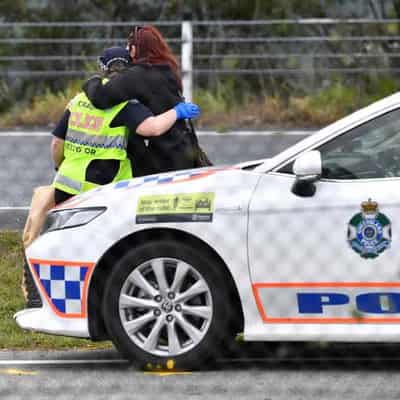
64,219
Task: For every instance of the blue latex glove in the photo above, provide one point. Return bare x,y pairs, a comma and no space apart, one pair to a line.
186,110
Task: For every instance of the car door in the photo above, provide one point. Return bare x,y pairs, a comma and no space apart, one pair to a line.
332,257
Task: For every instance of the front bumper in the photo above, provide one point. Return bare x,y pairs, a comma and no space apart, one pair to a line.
44,320
29,289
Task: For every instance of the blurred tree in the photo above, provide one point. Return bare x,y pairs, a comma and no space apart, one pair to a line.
13,10
255,9
156,10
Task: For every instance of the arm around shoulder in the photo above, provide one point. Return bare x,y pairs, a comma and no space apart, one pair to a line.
157,125
96,93
124,86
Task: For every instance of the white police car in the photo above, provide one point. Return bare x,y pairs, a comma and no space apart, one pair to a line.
302,246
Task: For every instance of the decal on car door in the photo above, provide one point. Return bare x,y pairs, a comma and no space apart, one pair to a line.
179,207
369,232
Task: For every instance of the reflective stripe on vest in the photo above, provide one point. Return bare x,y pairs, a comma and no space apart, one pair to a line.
71,183
104,142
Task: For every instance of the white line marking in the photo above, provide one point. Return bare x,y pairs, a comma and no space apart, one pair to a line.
24,208
199,133
22,133
257,133
60,362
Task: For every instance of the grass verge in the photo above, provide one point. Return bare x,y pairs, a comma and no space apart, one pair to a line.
44,110
318,109
223,109
11,300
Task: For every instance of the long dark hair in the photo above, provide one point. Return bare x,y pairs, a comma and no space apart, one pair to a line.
151,48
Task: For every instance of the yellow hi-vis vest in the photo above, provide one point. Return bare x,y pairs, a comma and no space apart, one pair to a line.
90,137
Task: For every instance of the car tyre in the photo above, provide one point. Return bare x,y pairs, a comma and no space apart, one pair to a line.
166,305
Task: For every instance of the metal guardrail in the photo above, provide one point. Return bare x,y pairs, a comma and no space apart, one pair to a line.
209,56
293,21
213,48
236,71
303,39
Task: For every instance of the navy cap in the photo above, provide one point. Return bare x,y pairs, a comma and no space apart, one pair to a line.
113,54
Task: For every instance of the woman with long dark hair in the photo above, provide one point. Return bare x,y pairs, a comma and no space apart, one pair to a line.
154,80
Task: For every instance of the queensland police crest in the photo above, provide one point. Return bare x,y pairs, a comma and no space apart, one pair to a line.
369,232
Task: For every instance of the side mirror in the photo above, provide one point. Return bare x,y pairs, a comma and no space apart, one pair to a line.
308,169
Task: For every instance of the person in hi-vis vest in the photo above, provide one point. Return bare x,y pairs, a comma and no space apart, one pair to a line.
89,147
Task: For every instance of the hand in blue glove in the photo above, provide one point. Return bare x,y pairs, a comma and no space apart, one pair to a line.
186,110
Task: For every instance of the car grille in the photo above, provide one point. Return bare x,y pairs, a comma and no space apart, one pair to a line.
33,299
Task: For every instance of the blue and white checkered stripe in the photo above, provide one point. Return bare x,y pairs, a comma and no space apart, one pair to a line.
63,285
159,179
151,180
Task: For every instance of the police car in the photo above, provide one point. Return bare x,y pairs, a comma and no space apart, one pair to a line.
303,246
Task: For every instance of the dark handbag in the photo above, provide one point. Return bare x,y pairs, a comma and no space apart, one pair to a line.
200,156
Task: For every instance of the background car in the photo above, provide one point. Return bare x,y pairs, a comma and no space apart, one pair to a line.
302,246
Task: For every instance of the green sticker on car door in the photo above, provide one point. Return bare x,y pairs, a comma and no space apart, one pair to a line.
180,207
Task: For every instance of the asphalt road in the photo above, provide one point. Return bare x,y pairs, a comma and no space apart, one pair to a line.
25,163
296,372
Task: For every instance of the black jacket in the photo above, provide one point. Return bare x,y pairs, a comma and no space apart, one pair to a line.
156,87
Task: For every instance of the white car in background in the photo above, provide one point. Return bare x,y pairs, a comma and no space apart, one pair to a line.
303,246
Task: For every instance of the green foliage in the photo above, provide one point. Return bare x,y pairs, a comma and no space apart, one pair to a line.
11,273
219,100
325,106
342,98
6,97
337,100
381,87
256,9
43,110
209,101
13,10
229,105
121,10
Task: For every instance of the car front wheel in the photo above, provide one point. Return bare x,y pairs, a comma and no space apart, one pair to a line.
166,304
